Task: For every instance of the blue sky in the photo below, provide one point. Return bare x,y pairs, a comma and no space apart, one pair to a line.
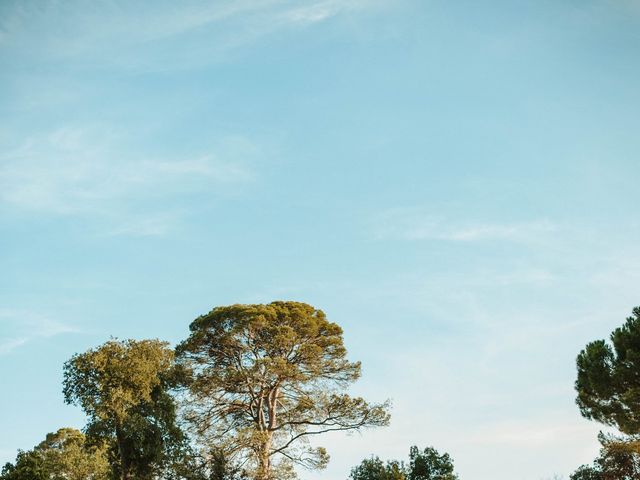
455,183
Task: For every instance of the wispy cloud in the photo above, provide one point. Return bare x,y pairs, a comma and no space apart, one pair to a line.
207,166
112,32
20,327
90,171
145,226
417,224
9,344
313,12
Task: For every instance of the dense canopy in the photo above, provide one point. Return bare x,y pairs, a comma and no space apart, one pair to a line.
266,377
608,382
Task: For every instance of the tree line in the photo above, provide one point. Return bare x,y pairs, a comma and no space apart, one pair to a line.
241,397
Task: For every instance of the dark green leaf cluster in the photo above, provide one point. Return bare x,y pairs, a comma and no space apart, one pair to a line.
430,465
28,466
608,387
608,382
375,469
196,466
423,465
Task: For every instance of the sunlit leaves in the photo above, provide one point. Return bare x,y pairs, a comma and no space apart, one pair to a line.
63,455
265,377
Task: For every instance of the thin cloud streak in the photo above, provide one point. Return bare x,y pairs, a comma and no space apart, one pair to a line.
414,224
10,344
26,326
145,226
323,10
113,32
91,172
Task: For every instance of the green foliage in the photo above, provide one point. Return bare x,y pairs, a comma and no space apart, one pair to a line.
608,383
425,465
190,465
265,377
619,459
221,468
63,455
586,472
28,466
430,465
375,469
123,388
111,380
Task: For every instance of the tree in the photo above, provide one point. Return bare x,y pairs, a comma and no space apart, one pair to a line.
430,465
28,466
375,469
586,472
265,378
619,459
425,465
123,387
608,382
608,387
213,465
221,468
63,455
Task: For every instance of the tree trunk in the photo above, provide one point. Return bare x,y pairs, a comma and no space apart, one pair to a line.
273,408
124,463
264,455
264,459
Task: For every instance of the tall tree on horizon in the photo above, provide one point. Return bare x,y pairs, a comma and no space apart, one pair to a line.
265,378
123,388
608,381
608,387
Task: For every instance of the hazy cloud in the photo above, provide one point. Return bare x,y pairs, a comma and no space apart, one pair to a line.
19,327
115,32
92,172
9,344
417,224
313,12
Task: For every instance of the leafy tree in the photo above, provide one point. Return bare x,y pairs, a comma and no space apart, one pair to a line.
619,459
63,455
430,465
608,382
221,468
212,466
267,377
425,465
586,472
123,387
375,469
608,387
28,466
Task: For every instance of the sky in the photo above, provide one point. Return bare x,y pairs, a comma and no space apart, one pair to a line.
454,183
